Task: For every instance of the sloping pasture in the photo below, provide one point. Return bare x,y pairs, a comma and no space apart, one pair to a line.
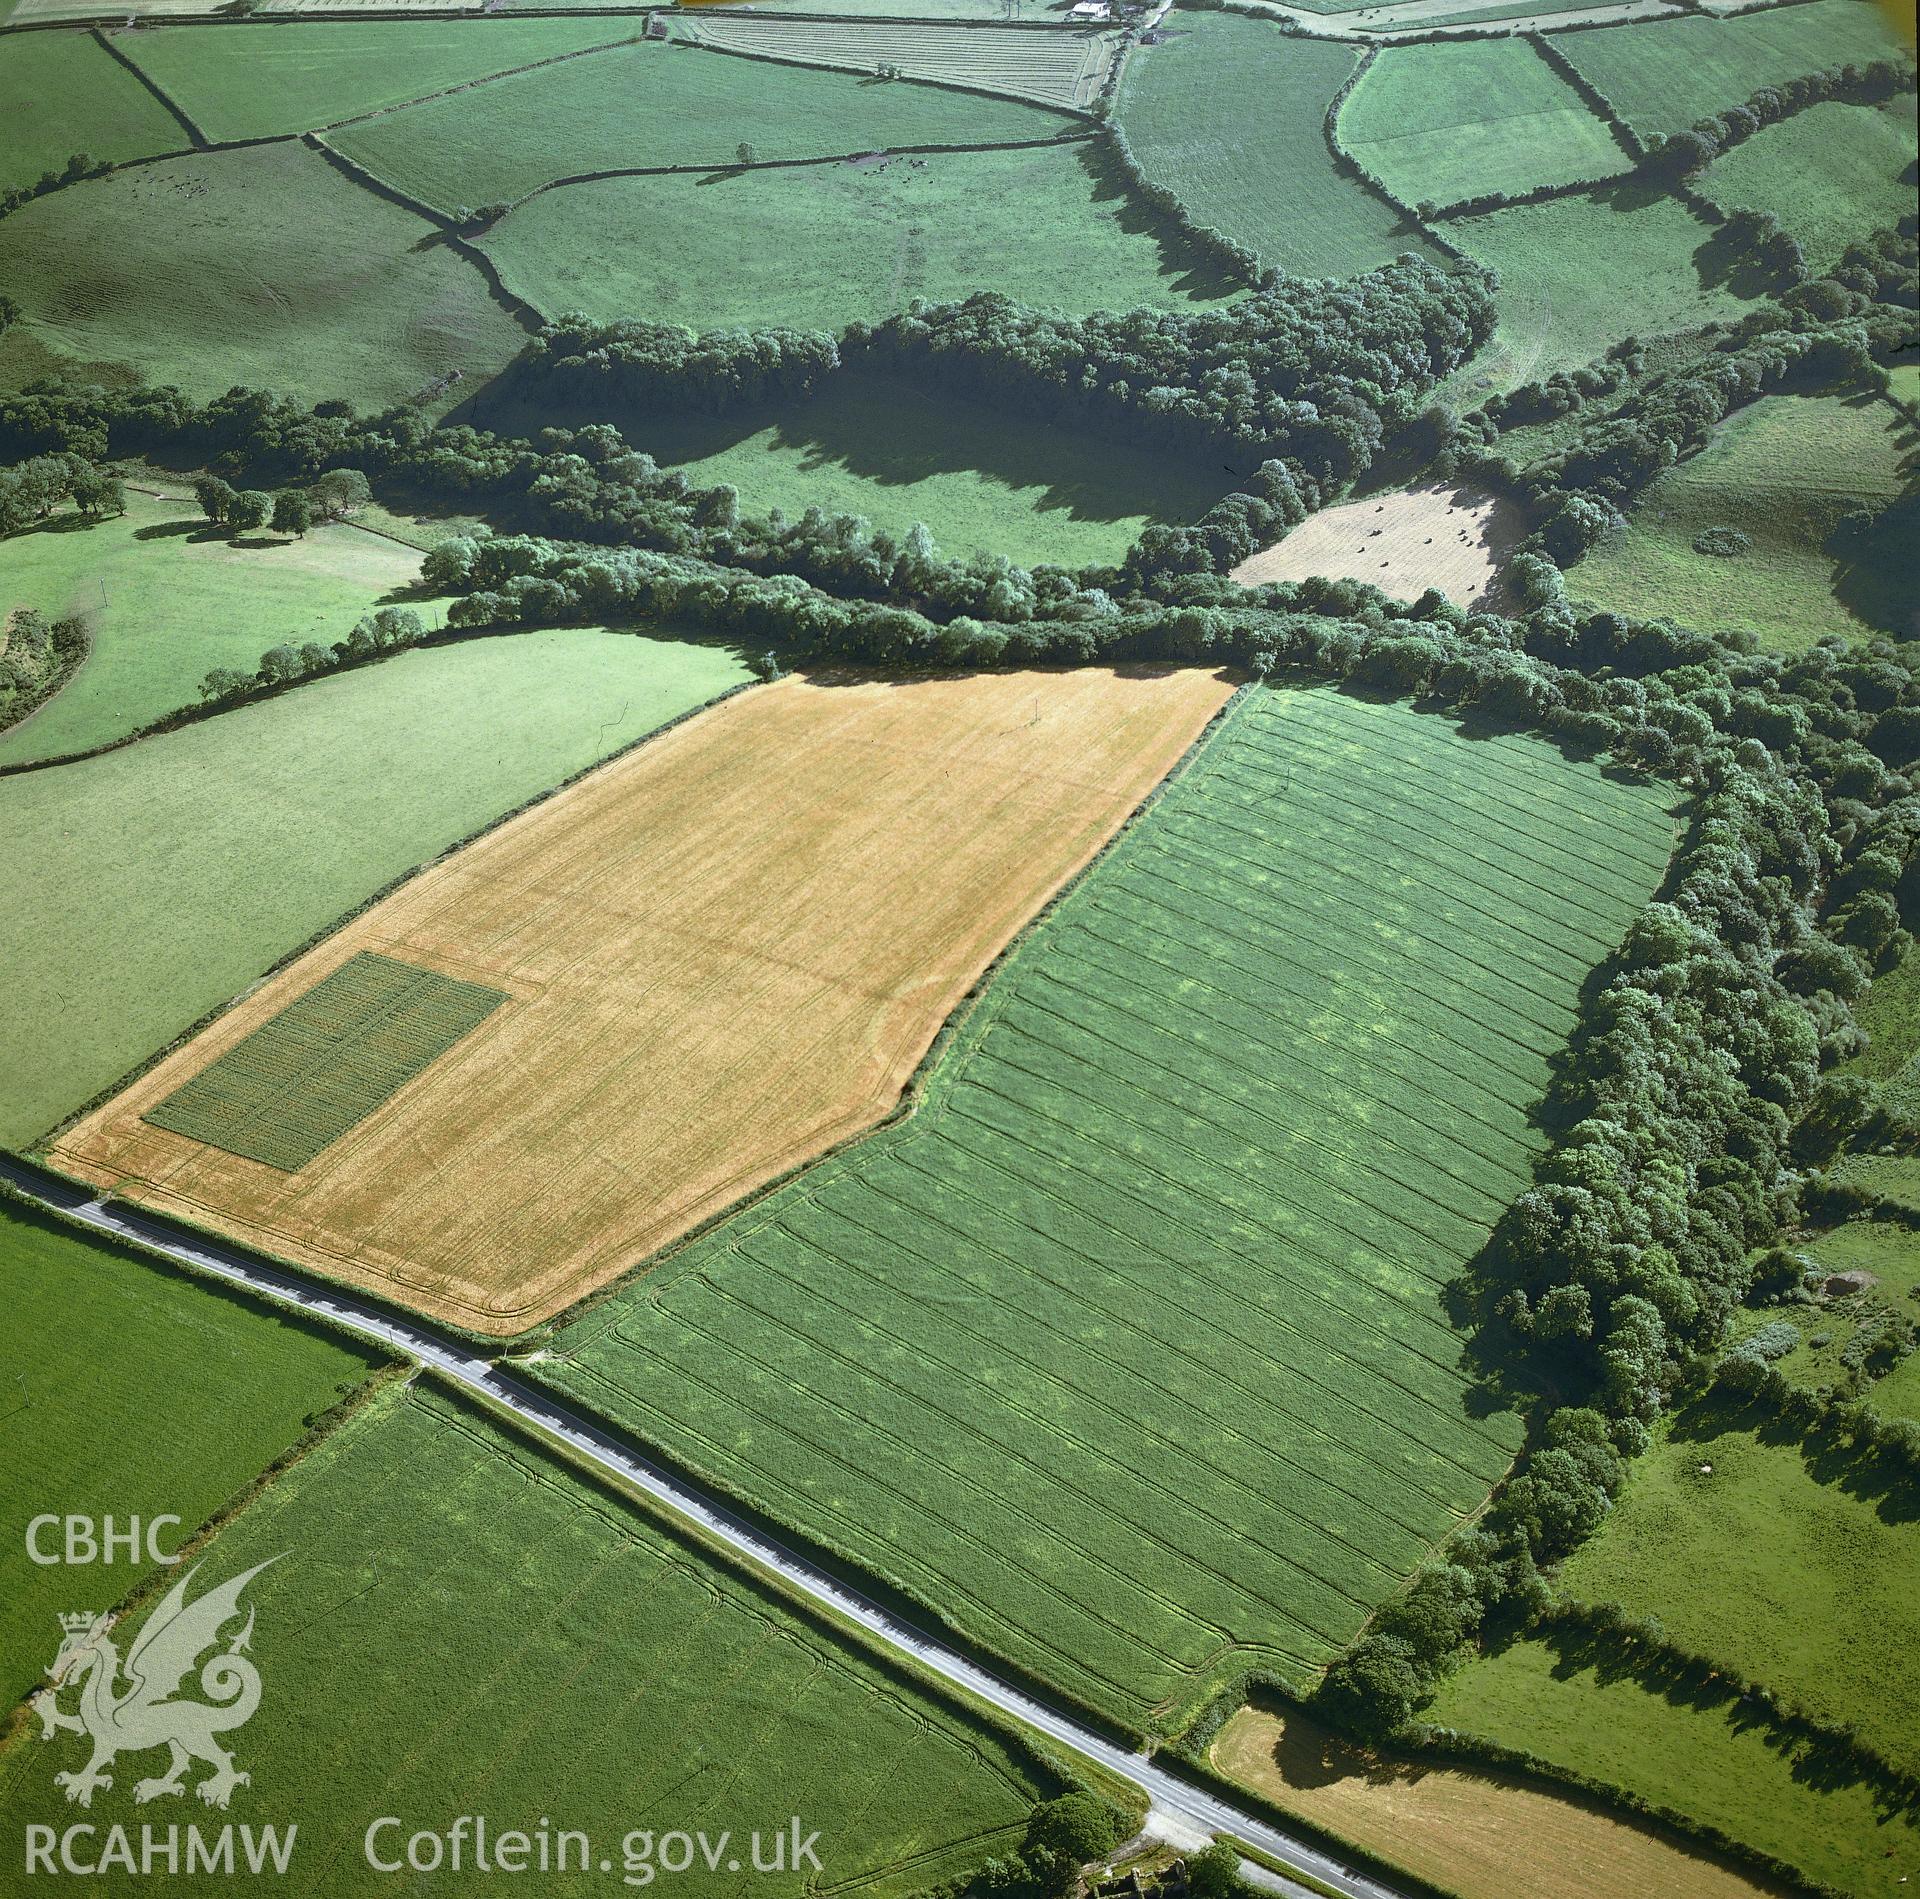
167,599
1227,114
1129,1350
261,266
1782,472
60,93
1662,75
1549,317
659,106
1064,68
828,245
242,82
458,1624
1831,174
1453,119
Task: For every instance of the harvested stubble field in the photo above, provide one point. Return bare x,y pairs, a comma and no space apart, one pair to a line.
147,1395
662,105
458,1624
827,245
167,600
672,1041
1404,543
1227,115
126,922
1465,1830
1128,1352
239,82
61,93
1066,68
1451,120
1661,75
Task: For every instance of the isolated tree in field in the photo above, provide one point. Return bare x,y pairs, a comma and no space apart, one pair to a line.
292,512
10,314
339,491
98,495
214,496
315,658
744,153
249,509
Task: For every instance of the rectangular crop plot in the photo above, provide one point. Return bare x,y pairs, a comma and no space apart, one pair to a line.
728,951
323,1064
1132,1347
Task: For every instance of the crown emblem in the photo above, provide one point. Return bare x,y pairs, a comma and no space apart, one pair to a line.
78,1621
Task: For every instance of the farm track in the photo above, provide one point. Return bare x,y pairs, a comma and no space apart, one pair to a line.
1179,1811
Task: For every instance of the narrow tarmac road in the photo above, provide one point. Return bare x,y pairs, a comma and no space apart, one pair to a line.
1179,1812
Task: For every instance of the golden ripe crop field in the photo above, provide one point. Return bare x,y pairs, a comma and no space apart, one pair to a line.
722,954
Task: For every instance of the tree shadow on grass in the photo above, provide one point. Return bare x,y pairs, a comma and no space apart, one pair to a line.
894,434
1828,1456
177,531
1192,271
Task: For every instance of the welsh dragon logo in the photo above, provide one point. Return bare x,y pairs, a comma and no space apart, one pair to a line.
134,1706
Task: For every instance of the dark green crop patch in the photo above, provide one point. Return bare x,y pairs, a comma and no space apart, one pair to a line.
326,1061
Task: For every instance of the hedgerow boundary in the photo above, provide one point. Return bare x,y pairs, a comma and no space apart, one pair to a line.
1344,161
197,138
978,89
1503,669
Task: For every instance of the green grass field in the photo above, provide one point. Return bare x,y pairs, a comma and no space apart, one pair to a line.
1775,1564
288,1091
1890,1016
1128,1349
1065,70
826,245
1549,317
238,82
982,478
1226,114
1892,1255
660,105
1710,1765
149,886
167,603
1450,120
1831,174
1782,471
460,1625
261,266
1661,75
61,94
130,1390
